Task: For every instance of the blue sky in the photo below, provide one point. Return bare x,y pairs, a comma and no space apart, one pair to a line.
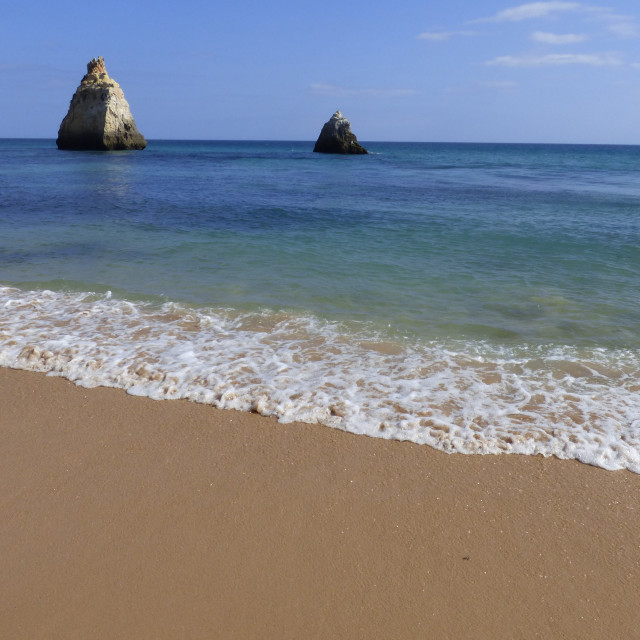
459,71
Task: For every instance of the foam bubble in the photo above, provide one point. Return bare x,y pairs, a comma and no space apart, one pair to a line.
468,397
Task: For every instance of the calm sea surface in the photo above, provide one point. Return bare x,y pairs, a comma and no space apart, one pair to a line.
479,298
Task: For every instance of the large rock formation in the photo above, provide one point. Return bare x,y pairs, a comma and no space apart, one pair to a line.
99,117
336,137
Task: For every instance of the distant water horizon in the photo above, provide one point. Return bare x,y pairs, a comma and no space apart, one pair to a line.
312,140
475,297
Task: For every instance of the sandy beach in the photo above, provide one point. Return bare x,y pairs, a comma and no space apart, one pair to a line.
124,517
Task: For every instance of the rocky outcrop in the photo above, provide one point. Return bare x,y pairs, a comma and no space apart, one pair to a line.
336,137
99,117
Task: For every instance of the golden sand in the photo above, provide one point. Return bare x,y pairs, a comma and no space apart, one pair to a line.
125,517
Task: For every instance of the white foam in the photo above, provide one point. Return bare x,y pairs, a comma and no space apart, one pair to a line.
467,397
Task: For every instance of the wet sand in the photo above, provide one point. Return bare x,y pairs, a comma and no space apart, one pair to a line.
125,517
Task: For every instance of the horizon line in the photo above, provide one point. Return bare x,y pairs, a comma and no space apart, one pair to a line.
311,142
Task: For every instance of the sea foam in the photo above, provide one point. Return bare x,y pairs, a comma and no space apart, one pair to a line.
460,396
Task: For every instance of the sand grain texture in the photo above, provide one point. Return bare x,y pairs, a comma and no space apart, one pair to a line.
124,517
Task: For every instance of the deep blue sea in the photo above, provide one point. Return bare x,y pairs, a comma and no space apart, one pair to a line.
478,298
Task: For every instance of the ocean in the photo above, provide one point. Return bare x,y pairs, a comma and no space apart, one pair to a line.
476,298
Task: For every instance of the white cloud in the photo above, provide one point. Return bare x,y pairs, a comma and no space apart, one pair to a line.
333,90
557,38
623,26
531,10
504,85
558,59
439,36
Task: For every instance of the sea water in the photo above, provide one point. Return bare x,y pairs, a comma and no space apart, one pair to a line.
478,298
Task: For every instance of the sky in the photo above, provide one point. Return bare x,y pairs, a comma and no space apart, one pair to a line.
402,70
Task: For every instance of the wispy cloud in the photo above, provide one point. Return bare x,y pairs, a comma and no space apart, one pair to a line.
623,26
503,85
333,90
531,10
439,36
625,29
558,59
557,38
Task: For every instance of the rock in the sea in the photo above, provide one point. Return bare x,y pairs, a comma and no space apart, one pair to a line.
336,137
99,117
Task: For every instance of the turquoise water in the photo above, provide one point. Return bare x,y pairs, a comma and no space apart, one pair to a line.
508,276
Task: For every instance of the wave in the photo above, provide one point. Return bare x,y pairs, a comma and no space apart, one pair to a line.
469,397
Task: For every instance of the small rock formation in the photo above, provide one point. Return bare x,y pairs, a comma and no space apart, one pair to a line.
336,137
99,117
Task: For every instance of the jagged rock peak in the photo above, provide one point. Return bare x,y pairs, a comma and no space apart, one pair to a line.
96,71
336,137
96,66
99,117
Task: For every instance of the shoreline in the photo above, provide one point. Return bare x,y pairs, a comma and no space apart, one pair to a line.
472,397
130,517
